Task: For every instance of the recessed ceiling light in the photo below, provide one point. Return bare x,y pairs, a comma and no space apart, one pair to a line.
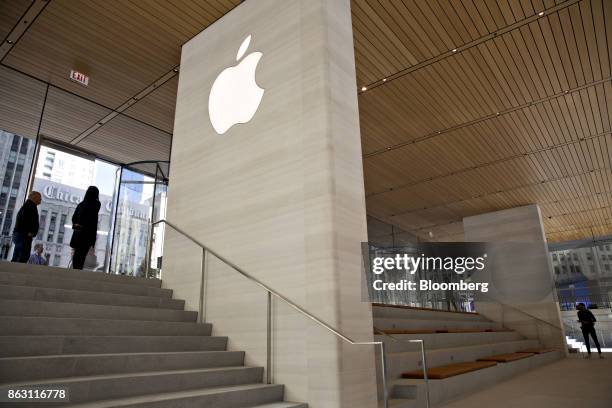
454,50
364,88
541,13
497,113
384,79
9,41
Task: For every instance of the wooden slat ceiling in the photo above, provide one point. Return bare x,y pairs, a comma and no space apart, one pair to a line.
478,105
470,106
128,49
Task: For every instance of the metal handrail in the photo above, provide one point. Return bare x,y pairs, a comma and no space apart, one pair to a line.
295,306
423,359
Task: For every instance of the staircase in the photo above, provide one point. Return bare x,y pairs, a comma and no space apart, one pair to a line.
453,340
118,341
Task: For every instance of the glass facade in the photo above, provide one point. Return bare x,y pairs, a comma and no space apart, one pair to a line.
62,179
583,273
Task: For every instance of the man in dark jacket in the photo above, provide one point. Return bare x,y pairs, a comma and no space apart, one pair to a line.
587,324
26,228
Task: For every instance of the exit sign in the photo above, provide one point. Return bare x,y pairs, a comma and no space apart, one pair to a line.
79,77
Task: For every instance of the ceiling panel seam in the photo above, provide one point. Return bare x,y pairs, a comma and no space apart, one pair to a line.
485,118
490,163
27,20
471,44
516,188
127,104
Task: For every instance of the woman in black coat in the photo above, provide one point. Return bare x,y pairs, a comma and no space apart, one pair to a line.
85,226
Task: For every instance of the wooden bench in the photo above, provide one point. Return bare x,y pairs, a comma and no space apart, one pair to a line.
450,370
433,331
536,350
506,358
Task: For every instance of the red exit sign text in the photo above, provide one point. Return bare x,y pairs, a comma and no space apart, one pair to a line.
79,77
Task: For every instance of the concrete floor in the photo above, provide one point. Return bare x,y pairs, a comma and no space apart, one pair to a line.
568,383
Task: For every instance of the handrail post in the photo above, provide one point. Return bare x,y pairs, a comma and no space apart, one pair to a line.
201,317
383,363
425,375
269,340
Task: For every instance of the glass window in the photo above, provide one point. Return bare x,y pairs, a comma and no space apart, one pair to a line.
25,143
51,229
63,187
14,183
42,220
57,260
61,229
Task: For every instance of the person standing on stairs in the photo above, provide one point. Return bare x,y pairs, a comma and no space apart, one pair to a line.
26,228
85,226
587,324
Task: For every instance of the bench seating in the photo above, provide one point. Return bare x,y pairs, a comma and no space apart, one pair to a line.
536,350
506,358
433,331
450,370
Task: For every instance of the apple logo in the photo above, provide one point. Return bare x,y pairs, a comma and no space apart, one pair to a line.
235,96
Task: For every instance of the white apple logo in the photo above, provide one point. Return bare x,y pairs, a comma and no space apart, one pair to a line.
235,96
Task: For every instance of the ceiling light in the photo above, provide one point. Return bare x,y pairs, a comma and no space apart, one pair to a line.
541,13
364,88
9,41
497,113
384,79
175,69
454,50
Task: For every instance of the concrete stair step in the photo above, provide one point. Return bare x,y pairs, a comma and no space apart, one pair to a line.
453,387
400,403
100,387
28,326
14,369
59,282
218,397
410,360
17,307
282,404
445,340
63,273
400,312
87,297
15,346
383,323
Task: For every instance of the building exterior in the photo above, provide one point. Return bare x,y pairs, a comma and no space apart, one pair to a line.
16,155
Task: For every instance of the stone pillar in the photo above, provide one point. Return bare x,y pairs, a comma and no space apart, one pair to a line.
280,195
519,270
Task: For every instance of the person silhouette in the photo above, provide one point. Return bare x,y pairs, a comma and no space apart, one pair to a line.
85,226
587,325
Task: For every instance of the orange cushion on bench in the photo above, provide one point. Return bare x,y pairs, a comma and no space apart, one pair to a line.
506,358
441,372
536,350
